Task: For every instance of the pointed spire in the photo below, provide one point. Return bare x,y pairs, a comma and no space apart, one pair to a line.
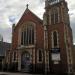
27,6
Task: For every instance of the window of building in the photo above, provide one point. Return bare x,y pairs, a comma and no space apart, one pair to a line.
32,36
55,39
10,57
40,55
54,16
27,37
22,38
14,56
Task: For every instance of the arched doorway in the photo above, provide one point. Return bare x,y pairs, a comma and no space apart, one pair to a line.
25,61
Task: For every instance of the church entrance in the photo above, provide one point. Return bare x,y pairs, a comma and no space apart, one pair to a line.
25,61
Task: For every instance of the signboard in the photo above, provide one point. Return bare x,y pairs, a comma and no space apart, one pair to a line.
56,62
55,50
56,57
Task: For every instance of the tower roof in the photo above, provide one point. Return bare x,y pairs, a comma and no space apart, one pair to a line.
52,2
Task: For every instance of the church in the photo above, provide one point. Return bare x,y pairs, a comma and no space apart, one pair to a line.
43,46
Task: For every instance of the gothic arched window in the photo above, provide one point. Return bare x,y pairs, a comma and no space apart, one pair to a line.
40,55
54,16
55,39
22,38
14,56
27,35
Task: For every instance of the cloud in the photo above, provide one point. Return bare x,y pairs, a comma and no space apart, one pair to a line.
71,6
72,24
6,33
12,10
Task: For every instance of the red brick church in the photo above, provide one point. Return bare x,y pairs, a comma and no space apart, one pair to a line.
43,45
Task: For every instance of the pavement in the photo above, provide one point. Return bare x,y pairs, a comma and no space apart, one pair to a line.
9,73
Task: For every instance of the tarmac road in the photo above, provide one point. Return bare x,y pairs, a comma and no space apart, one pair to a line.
8,73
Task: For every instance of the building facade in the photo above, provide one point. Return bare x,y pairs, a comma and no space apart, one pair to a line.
4,46
74,58
43,45
59,34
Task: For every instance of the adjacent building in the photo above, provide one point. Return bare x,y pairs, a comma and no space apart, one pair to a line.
4,46
74,57
43,45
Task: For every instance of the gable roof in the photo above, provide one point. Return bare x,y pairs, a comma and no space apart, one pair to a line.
27,11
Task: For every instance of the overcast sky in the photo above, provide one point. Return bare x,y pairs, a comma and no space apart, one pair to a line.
12,10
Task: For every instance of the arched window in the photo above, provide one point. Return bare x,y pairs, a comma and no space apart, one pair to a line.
40,55
14,56
22,38
55,39
54,16
27,35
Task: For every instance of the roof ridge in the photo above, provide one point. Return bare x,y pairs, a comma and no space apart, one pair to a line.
35,15
26,11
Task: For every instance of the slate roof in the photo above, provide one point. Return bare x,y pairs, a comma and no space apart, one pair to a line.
3,47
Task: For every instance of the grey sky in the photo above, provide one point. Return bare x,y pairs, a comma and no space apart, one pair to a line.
12,10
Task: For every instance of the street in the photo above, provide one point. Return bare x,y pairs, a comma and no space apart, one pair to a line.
8,73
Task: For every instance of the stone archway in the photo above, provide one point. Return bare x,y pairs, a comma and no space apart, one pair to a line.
25,61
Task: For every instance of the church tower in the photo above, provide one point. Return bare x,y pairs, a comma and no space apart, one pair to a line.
58,43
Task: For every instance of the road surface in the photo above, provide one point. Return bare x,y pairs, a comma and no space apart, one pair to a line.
8,73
